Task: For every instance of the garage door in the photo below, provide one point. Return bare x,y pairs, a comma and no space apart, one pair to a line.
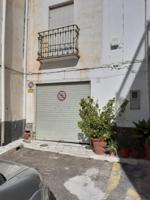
57,111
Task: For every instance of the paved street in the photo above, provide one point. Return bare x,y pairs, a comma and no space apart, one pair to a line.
73,178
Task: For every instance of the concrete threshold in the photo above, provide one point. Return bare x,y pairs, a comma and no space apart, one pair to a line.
71,149
79,150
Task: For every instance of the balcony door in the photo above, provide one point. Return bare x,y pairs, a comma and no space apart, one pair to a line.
61,15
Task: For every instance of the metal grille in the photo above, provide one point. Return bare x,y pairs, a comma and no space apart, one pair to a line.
58,42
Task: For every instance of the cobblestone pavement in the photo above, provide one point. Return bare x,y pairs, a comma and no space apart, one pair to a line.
74,178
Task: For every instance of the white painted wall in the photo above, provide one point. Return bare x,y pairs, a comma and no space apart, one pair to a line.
14,59
124,21
1,5
101,23
87,15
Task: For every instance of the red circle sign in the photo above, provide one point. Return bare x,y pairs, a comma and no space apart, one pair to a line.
30,84
61,96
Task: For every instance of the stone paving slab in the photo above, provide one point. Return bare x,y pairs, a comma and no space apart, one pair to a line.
80,178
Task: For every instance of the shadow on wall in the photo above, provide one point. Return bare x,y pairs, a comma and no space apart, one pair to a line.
14,124
138,175
138,178
134,107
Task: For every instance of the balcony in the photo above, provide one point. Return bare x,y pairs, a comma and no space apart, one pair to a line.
57,44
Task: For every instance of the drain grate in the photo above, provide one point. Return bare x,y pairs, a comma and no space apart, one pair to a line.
44,145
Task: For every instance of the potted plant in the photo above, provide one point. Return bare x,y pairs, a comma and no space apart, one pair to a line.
124,150
135,150
89,124
136,146
98,124
112,147
142,131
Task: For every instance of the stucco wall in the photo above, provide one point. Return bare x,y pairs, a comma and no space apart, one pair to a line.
1,5
14,68
14,38
113,73
124,21
87,15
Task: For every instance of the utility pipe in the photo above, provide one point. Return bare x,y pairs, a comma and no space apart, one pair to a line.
3,74
147,61
25,58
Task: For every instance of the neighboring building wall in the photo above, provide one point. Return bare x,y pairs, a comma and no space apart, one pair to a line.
1,5
1,12
112,73
124,25
14,69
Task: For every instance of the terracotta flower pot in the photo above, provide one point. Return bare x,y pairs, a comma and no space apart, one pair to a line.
147,152
134,154
99,146
124,152
26,135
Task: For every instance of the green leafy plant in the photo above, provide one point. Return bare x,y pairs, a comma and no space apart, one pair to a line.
89,114
96,122
142,131
112,146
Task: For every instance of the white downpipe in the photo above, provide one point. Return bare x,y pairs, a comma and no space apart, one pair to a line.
25,59
147,62
3,74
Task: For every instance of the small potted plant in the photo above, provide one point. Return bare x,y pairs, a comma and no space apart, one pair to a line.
147,148
98,124
142,131
124,150
90,124
136,146
135,150
112,147
27,134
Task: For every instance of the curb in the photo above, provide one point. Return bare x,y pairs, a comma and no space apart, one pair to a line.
107,158
131,161
11,146
18,144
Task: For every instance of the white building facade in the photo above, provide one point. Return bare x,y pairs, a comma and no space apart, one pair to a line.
11,81
85,48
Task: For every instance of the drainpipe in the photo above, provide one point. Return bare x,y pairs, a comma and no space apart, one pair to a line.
3,74
147,61
25,59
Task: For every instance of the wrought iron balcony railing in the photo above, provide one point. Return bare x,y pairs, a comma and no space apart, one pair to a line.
58,42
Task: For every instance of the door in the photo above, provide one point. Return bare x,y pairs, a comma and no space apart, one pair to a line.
57,113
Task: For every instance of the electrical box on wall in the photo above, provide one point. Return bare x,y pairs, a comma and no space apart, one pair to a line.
114,44
135,99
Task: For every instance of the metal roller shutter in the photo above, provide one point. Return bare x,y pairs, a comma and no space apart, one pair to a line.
58,111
